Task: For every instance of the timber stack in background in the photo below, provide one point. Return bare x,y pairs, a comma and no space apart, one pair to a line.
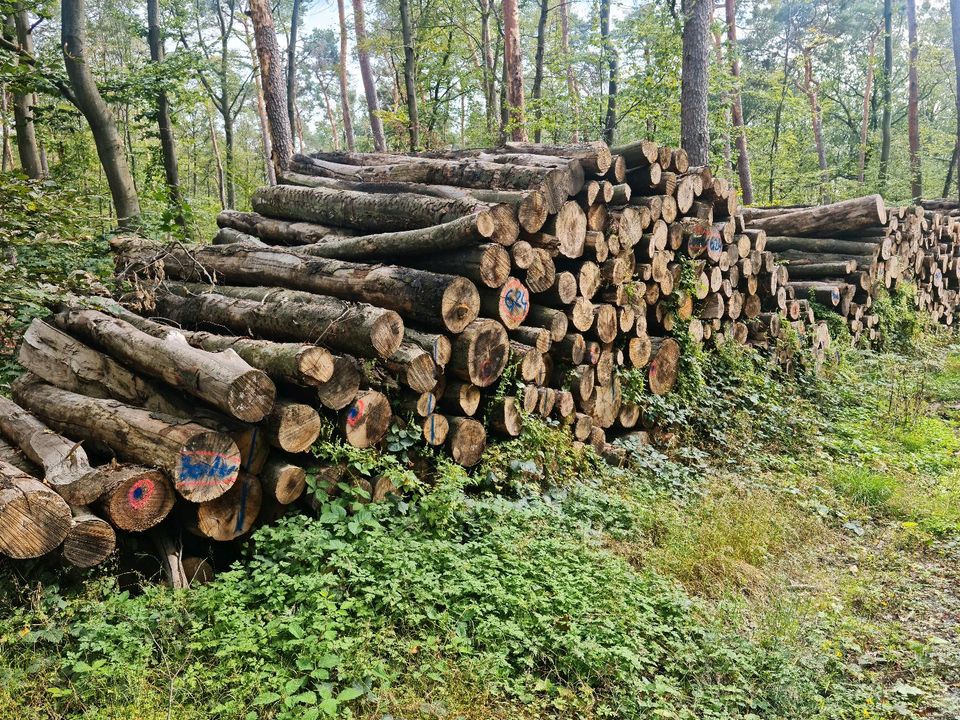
451,293
843,253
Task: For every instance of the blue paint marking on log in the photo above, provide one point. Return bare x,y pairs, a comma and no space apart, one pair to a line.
244,491
432,433
516,301
195,468
253,447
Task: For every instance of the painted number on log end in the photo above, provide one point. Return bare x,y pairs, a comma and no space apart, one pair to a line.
515,302
242,512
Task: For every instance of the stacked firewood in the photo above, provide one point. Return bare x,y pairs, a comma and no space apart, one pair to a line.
841,254
455,293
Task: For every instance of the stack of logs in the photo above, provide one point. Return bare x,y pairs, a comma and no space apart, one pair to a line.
367,290
841,254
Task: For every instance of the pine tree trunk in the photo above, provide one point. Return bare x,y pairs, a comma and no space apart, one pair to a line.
810,88
95,110
695,81
366,75
292,64
610,120
268,170
274,88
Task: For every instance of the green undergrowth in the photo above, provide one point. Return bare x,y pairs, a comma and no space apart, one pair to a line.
709,578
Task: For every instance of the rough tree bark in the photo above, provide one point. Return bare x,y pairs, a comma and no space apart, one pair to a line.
913,102
168,148
538,69
695,81
489,66
409,75
109,147
269,172
736,107
366,74
342,73
513,68
274,89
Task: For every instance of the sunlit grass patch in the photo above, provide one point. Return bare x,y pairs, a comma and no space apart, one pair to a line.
863,486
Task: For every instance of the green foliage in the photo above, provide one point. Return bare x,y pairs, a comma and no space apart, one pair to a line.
900,324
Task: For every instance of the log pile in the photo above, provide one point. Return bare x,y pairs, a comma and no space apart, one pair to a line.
841,254
455,293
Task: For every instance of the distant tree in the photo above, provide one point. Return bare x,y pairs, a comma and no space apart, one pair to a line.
344,83
736,106
955,28
97,113
366,75
513,71
913,104
25,101
887,121
274,83
409,75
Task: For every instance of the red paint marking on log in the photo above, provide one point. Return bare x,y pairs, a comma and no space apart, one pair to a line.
355,413
140,493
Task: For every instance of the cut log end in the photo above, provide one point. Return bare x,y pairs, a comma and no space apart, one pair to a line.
251,396
467,440
664,366
367,420
90,541
460,305
207,466
136,499
233,513
34,520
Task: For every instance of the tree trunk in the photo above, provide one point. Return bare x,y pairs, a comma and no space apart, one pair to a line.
222,179
292,64
736,107
230,515
222,379
513,68
610,121
268,170
913,103
342,73
887,93
366,75
34,520
695,81
572,92
810,88
98,115
409,75
865,116
202,463
955,27
362,330
778,121
489,67
6,154
24,103
168,148
538,70
274,88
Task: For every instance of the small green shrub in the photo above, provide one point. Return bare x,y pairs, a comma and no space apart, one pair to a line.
863,486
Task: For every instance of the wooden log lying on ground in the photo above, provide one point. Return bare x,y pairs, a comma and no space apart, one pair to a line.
825,220
202,463
135,498
90,539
